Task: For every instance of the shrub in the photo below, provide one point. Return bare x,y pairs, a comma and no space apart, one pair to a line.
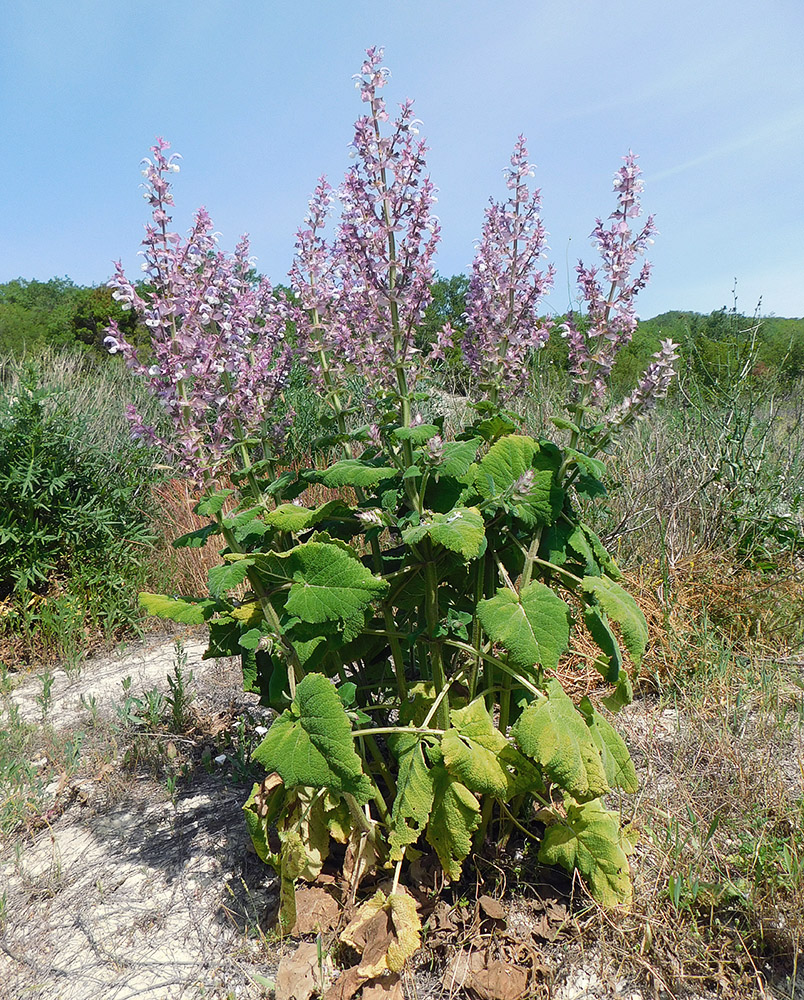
73,519
407,628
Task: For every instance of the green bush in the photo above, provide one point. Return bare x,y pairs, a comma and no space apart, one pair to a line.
73,510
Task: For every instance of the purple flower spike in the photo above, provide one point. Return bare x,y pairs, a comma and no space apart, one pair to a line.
217,334
610,298
503,327
365,292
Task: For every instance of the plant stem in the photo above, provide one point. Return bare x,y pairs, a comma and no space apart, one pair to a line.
433,620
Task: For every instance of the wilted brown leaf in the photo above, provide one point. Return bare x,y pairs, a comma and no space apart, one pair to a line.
299,976
487,979
384,988
386,932
492,907
345,986
499,981
316,910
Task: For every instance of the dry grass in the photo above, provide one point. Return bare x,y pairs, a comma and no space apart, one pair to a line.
717,734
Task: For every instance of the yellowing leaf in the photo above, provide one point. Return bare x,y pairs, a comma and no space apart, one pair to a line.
614,753
590,840
386,932
551,732
414,793
455,817
480,756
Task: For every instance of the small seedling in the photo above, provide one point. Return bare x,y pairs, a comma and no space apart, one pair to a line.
45,699
180,697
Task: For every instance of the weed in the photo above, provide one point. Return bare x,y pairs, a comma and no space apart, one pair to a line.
44,698
180,697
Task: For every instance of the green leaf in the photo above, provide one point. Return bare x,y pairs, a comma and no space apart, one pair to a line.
262,809
590,487
565,425
251,639
622,695
480,756
598,625
224,638
419,434
494,427
226,577
533,625
617,762
621,606
292,517
504,463
327,584
311,743
176,609
414,793
551,732
195,539
589,840
353,472
462,530
458,457
213,503
453,820
591,466
503,466
602,555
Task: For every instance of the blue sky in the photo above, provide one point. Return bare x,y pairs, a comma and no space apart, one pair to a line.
257,97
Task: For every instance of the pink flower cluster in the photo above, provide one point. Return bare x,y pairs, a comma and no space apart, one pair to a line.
503,326
217,334
611,318
364,293
653,386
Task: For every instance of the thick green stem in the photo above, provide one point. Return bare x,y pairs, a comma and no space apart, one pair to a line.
436,661
477,631
295,670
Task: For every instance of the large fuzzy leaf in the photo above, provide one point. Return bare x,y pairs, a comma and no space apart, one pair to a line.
353,472
455,817
503,466
311,743
292,517
533,625
177,610
553,733
589,840
461,530
617,762
414,793
598,625
327,584
227,576
480,756
623,609
419,434
458,457
196,539
622,695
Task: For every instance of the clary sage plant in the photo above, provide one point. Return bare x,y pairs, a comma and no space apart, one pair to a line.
408,630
